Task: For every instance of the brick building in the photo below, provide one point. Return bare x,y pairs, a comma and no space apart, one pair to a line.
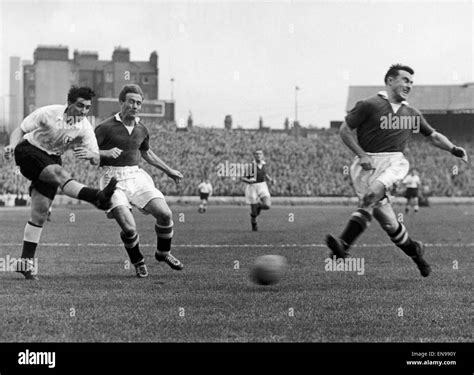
48,79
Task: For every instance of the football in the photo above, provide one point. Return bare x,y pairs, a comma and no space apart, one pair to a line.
268,269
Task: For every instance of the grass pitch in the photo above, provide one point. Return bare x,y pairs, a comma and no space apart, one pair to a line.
88,293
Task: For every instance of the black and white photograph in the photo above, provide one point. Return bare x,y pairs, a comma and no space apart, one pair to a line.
237,175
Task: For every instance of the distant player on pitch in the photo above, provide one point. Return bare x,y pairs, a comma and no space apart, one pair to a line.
38,143
123,140
412,183
380,162
205,191
256,191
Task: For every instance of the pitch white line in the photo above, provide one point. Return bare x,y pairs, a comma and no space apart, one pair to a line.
217,246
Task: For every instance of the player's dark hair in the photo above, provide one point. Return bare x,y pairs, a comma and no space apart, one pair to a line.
394,70
132,88
83,92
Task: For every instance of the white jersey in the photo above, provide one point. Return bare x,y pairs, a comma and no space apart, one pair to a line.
205,187
47,129
412,181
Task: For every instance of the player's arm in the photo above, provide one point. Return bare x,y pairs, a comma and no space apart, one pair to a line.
350,140
30,123
89,149
441,141
268,177
152,159
100,135
85,153
15,137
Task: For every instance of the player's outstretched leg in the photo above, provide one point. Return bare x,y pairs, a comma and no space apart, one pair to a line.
27,264
54,175
254,212
264,204
164,233
99,198
416,207
399,236
358,222
414,249
131,241
130,238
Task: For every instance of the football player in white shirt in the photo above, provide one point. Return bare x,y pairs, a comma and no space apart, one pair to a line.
412,183
37,145
205,191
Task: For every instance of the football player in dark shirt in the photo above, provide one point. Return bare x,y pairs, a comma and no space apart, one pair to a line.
123,140
256,192
384,124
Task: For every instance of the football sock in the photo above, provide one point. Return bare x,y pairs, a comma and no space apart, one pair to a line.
401,238
31,239
358,222
132,246
164,235
253,219
80,191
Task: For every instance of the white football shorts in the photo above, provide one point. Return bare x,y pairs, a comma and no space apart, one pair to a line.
254,192
135,187
390,168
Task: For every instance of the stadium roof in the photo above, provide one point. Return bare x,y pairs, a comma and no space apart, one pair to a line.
426,98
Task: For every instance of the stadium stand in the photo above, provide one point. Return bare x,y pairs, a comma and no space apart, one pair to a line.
315,166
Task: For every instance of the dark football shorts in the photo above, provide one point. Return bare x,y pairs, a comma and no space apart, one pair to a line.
32,161
204,195
411,193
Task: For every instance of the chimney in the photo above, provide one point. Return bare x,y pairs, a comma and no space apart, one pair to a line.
121,55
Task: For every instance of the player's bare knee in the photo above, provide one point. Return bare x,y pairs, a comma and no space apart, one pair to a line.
39,215
60,174
389,227
165,217
130,231
368,200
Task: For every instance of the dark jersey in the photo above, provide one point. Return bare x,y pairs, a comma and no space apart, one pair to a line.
379,129
261,173
112,133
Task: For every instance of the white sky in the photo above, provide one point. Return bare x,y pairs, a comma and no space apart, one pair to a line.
245,58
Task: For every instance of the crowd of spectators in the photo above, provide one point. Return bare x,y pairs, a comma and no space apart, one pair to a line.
314,166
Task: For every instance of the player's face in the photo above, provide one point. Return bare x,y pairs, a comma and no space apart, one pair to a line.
258,156
132,105
401,85
79,109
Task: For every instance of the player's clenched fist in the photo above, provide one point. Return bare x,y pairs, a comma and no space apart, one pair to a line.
177,176
115,152
366,163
